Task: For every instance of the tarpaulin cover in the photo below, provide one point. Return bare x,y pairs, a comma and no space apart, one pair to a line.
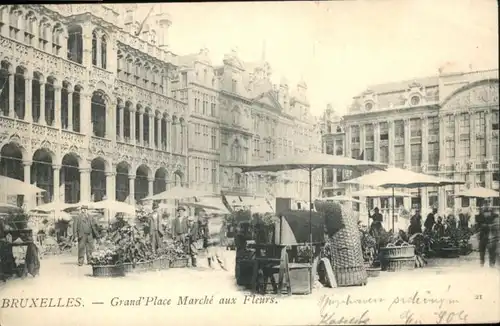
298,223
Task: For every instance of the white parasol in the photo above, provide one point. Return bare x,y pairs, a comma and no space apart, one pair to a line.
10,186
479,192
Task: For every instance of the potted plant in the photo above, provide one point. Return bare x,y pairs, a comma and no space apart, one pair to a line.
105,262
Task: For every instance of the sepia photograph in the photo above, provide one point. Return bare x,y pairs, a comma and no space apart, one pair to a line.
249,163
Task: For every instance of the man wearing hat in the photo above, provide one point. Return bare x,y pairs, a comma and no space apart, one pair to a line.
192,237
179,228
155,228
85,231
430,220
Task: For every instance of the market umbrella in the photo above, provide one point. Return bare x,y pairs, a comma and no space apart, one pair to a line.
311,162
342,198
378,193
55,208
8,208
206,206
10,186
179,193
114,205
400,178
479,192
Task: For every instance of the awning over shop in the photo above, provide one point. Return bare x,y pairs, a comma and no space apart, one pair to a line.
214,202
257,204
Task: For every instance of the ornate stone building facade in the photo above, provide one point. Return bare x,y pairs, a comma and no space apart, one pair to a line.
87,108
261,121
445,125
93,103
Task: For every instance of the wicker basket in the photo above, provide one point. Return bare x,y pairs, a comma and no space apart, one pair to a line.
395,252
160,264
346,252
373,271
128,267
399,264
144,266
179,263
108,270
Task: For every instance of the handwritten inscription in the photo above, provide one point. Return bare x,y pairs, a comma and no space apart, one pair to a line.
341,310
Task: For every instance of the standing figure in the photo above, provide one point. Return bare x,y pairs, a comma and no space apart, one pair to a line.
430,220
415,223
487,222
85,231
439,227
192,237
211,241
376,226
179,227
155,227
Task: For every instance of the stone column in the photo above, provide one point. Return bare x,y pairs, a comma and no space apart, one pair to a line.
132,124
131,187
151,186
407,144
110,185
121,109
362,139
425,140
391,142
472,137
84,184
347,148
376,142
110,121
70,108
28,200
57,106
173,137
457,136
141,127
11,92
442,139
98,50
28,83
489,136
85,109
168,134
159,120
57,170
41,119
151,139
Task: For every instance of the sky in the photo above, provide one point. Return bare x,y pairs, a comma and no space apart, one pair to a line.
340,47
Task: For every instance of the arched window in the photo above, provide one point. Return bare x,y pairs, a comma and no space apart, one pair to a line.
75,44
94,49
98,114
104,52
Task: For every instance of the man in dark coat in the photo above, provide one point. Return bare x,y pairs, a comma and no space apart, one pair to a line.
179,227
487,222
85,231
415,223
155,227
192,237
430,220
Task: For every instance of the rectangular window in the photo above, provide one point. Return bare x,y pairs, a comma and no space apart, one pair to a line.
450,124
384,154
480,148
415,128
384,131
433,153
416,154
213,144
369,132
495,149
433,125
494,120
464,148
234,86
355,135
399,156
355,153
481,180
480,123
339,147
464,123
184,80
399,129
214,172
369,154
450,149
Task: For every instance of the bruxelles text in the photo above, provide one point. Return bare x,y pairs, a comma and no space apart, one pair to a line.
42,303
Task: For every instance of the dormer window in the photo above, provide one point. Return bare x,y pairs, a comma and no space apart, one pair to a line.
234,85
415,100
369,106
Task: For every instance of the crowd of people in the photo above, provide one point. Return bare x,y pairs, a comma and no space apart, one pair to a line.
194,232
486,226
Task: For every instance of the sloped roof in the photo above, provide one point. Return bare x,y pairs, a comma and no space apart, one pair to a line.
403,85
